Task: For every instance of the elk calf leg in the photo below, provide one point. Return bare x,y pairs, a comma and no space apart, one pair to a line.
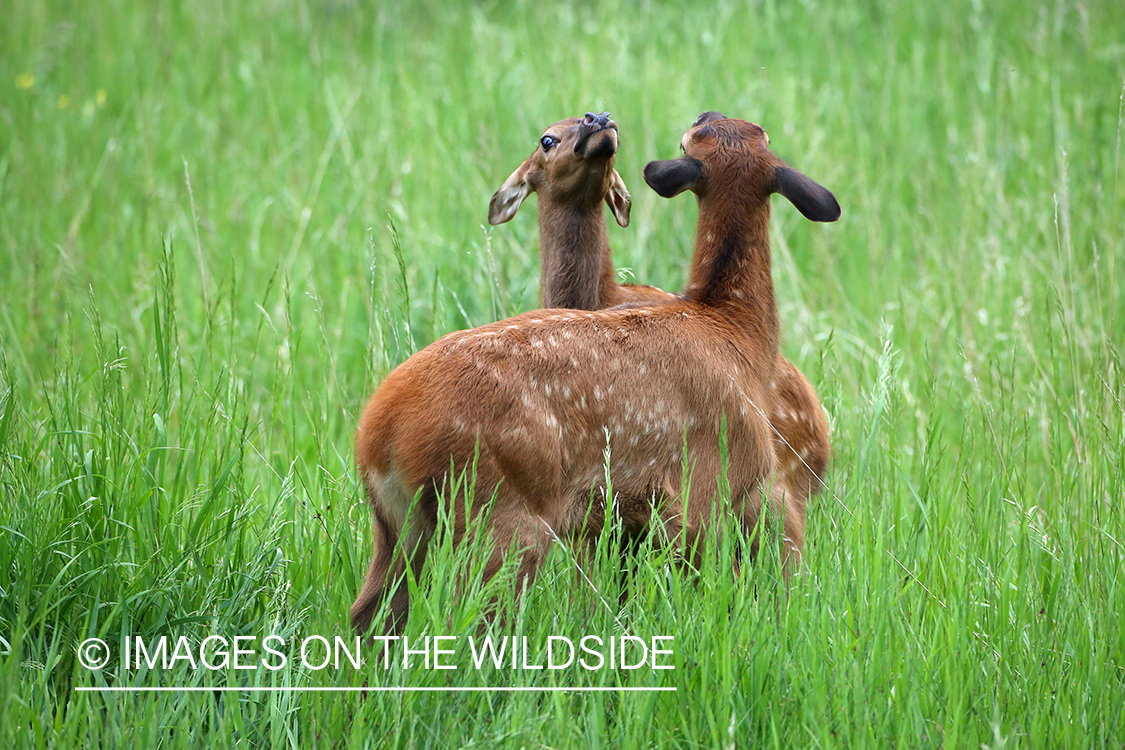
386,578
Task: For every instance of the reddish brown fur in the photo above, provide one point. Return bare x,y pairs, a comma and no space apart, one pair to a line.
536,396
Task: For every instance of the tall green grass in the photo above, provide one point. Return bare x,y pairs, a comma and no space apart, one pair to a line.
222,225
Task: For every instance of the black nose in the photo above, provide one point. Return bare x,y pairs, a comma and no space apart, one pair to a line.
595,119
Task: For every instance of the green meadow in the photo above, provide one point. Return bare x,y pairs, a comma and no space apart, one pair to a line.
223,224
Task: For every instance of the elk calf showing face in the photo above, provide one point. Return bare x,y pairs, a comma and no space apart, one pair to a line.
572,172
530,402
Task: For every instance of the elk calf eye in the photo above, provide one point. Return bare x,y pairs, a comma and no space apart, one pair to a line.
547,142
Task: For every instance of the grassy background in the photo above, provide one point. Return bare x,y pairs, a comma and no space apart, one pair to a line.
199,287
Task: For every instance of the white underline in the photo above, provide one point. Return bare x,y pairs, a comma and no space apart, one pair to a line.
394,689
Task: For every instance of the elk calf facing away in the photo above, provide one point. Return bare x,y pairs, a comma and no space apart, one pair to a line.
531,401
572,172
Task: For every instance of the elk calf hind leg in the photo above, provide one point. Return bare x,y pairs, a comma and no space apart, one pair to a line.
386,577
374,590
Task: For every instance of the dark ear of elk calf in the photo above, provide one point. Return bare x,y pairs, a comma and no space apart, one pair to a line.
529,403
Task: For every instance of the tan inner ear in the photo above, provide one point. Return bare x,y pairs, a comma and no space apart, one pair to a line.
618,199
507,199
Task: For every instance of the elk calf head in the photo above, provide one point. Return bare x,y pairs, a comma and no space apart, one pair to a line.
572,164
721,150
